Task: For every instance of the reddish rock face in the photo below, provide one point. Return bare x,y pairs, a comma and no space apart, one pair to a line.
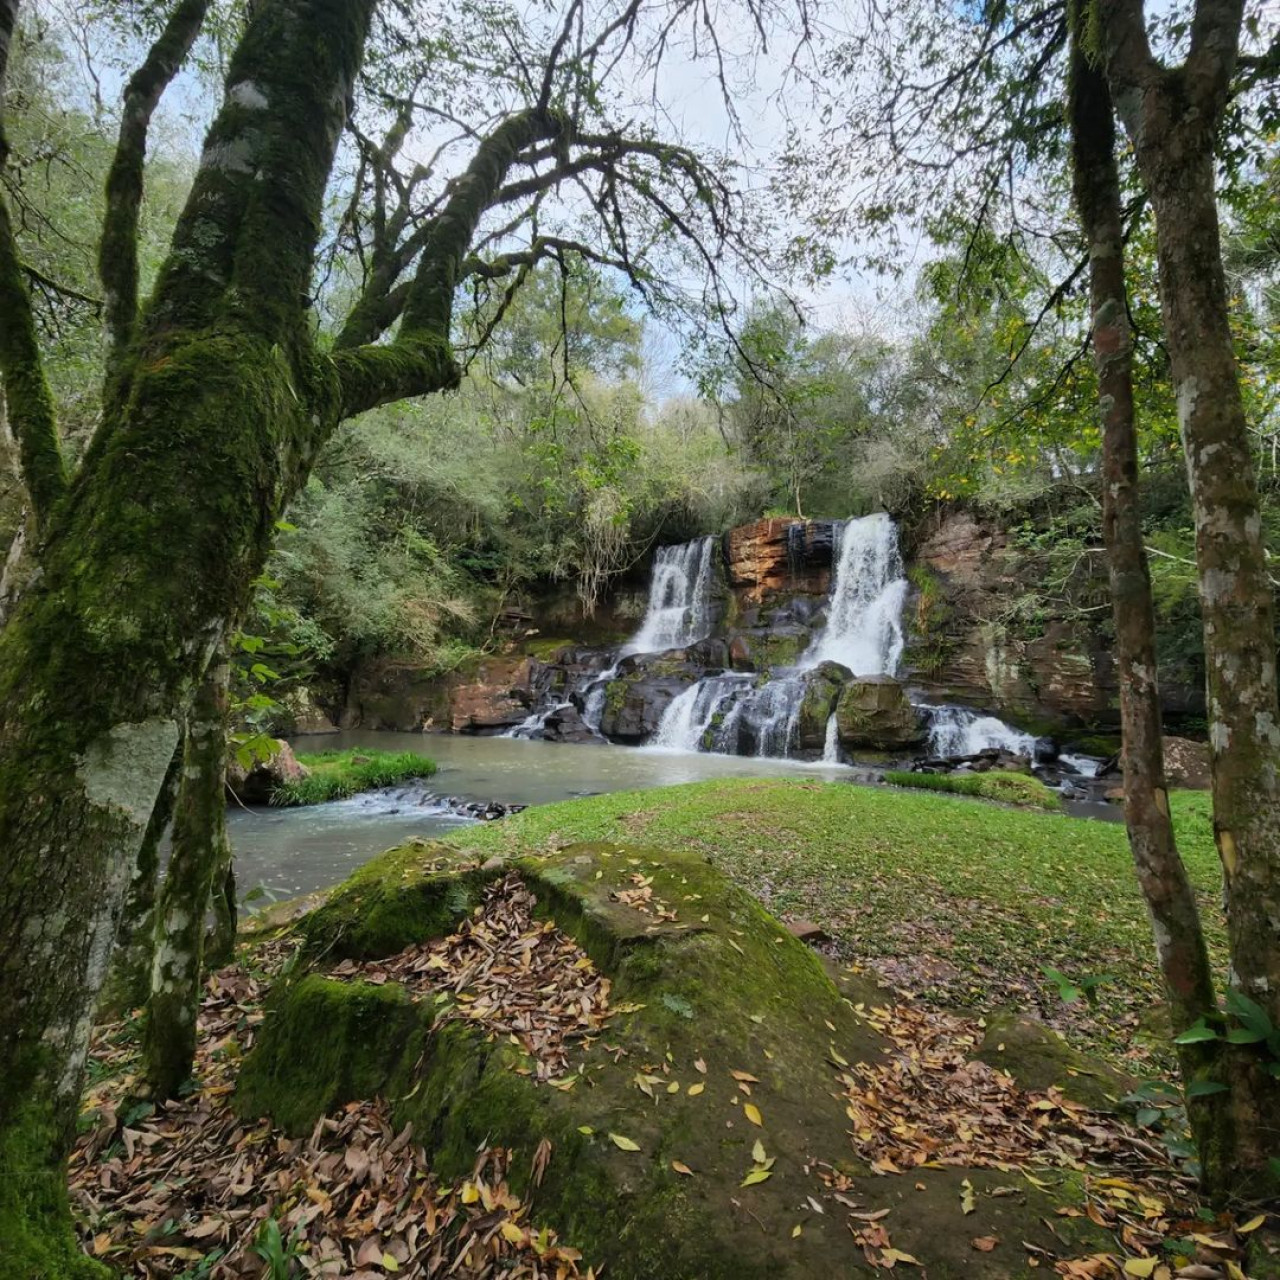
767,557
499,696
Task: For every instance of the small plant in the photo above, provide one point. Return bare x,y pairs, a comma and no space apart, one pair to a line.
1255,1027
1071,989
270,1246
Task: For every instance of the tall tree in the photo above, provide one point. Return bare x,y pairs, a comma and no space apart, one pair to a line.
1173,115
220,396
1166,888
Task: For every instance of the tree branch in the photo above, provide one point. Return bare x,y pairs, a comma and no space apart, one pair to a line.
118,248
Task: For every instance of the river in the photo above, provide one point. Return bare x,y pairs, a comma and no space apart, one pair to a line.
291,851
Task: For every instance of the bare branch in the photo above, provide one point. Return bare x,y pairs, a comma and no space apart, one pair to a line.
118,248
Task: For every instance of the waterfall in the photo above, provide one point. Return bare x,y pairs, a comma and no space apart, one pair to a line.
960,731
679,611
692,713
831,746
864,618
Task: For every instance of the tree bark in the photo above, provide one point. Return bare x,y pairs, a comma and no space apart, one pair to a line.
143,561
1162,877
1172,117
128,980
197,865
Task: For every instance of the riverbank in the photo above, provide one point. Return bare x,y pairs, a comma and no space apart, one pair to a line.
339,775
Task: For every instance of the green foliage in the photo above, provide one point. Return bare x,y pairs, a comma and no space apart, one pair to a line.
1008,788
335,775
270,1246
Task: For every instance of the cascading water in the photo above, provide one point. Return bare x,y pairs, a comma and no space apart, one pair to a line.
831,746
863,632
864,619
960,731
679,612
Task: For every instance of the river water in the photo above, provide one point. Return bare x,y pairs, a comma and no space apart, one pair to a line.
291,851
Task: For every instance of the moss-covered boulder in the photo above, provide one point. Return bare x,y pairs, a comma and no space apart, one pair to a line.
692,1136
874,712
822,688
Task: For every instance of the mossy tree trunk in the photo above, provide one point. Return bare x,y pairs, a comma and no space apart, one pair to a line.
197,866
217,404
128,980
1172,116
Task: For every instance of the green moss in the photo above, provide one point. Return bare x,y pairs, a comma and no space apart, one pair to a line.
546,650
329,1042
36,1235
1009,788
334,775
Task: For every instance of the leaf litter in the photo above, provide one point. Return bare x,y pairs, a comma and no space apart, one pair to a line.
191,1182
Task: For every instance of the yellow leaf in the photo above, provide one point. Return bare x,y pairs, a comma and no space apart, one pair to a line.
470,1193
587,1129
1140,1266
752,1112
680,1167
1252,1225
674,1087
890,1256
695,1089
512,1234
756,1175
967,1203
795,1231
758,1153
389,1263
623,1144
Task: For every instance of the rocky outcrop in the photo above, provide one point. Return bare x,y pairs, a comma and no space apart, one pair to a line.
782,554
498,697
873,713
565,724
969,643
257,783
645,686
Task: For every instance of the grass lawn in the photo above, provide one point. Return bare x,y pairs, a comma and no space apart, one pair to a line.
953,899
335,775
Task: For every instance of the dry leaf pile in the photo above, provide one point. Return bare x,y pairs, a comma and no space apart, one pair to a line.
929,1104
192,1190
509,973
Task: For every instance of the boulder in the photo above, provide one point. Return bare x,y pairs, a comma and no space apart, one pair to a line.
873,713
647,683
257,784
565,724
689,1135
822,687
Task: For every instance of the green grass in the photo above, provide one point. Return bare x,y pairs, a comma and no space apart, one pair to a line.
1009,788
335,775
958,900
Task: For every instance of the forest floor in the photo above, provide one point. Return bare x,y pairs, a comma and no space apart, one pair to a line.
957,907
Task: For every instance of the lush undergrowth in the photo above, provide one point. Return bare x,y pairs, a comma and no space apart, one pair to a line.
963,902
1009,788
334,775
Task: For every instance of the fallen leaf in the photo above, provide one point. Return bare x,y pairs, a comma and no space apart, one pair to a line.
752,1112
756,1175
680,1167
623,1144
967,1202
796,1230
890,1257
695,1089
1252,1225
1140,1266
984,1244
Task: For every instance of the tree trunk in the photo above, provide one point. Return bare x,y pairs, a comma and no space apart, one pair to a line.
221,406
220,946
1173,117
1162,877
128,980
196,866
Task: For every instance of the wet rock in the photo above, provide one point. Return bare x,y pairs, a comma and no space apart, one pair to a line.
565,724
822,689
646,685
873,712
256,784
